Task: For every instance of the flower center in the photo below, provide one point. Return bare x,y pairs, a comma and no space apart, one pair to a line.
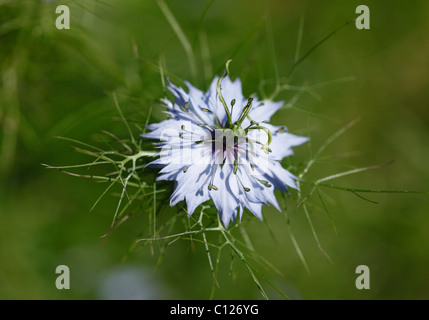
244,114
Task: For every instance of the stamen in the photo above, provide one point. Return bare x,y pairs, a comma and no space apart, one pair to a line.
265,183
281,130
187,131
181,136
252,123
206,125
246,189
211,185
186,108
217,121
197,118
185,169
246,151
204,141
223,163
232,106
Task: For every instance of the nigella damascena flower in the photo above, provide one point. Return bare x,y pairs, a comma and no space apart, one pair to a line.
219,145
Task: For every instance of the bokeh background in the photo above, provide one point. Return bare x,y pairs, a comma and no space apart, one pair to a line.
59,83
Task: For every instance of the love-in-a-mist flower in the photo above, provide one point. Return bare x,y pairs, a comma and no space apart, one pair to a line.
219,145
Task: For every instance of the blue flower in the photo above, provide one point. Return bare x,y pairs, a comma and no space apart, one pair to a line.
219,145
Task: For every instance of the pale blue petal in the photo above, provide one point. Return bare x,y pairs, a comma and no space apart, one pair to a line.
225,201
263,111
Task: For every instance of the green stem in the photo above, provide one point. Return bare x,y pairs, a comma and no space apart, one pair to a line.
245,112
222,100
303,57
270,137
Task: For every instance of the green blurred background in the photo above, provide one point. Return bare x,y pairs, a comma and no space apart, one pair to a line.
59,83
